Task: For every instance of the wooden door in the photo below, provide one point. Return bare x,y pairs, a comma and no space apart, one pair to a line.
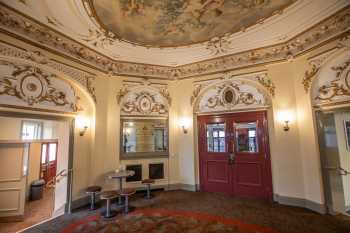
214,155
242,166
48,161
13,173
251,169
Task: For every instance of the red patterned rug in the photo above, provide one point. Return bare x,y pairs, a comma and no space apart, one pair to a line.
164,221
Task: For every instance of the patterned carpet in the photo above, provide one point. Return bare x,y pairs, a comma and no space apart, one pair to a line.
164,221
207,210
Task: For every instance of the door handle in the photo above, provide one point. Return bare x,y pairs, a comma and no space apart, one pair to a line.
341,171
231,158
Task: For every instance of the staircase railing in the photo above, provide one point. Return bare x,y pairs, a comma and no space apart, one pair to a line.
57,178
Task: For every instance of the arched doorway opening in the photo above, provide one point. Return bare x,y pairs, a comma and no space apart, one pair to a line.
330,98
42,105
233,145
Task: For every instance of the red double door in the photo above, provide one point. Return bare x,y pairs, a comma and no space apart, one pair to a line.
234,154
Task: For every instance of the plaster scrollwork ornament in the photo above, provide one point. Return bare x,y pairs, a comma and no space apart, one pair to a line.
219,45
100,39
30,86
197,89
308,77
339,87
267,83
329,29
144,99
230,95
316,64
83,78
145,104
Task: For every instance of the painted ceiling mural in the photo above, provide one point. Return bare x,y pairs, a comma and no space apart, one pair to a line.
70,28
168,23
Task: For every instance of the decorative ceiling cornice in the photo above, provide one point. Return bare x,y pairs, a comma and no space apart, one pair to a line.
24,28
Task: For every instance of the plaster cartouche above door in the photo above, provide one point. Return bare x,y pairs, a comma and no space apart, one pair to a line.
75,20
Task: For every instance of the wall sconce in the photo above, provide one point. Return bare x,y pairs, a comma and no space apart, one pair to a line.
185,124
285,117
82,124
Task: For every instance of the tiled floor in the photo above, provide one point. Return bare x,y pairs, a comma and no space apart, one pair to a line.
35,212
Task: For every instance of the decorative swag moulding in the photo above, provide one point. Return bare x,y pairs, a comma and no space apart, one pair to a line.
28,87
26,29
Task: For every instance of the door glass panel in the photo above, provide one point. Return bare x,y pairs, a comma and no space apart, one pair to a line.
43,154
52,152
246,137
216,137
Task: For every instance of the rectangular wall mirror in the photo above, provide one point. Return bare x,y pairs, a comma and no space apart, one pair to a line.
144,138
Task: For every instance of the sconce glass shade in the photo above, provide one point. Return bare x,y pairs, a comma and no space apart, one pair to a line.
185,123
285,116
82,123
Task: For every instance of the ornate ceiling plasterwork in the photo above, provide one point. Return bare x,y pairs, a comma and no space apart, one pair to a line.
83,78
28,86
174,23
232,92
13,23
144,98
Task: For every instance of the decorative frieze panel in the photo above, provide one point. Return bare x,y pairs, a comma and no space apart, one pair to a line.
231,93
85,79
315,63
332,85
145,99
31,87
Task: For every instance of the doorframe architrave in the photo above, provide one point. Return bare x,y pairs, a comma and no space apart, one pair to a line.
268,111
63,118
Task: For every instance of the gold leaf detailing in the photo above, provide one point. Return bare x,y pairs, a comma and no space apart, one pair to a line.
144,103
24,27
33,86
309,75
122,92
195,93
267,83
340,86
238,97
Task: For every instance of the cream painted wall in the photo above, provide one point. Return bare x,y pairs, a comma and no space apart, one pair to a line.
33,164
295,157
344,153
11,128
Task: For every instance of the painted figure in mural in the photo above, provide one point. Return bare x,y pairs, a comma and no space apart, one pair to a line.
180,22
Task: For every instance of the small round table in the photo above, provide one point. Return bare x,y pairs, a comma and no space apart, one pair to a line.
119,176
